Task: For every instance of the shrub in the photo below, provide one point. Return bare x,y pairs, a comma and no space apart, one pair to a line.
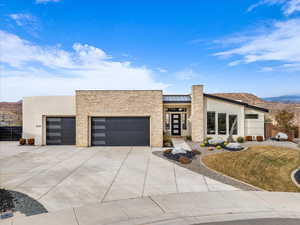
6,201
168,151
188,138
30,141
219,147
167,141
22,141
240,140
196,152
248,138
259,138
184,160
202,145
207,139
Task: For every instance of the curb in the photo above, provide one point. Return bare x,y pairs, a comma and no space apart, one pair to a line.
232,178
293,177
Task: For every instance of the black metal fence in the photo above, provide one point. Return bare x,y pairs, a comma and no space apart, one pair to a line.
10,133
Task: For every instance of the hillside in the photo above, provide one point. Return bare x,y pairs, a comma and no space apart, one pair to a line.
274,107
284,99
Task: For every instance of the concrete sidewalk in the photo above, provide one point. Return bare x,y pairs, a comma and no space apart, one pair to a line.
172,209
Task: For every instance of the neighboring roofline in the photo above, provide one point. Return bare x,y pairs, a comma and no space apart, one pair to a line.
236,102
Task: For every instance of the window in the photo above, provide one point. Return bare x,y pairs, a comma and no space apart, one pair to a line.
167,121
221,123
251,116
233,124
184,121
211,123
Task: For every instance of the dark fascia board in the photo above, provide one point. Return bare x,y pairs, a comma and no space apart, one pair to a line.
177,101
236,102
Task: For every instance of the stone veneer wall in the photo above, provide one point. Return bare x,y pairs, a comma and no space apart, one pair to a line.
118,103
197,113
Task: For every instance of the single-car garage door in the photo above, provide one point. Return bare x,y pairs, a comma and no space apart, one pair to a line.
120,131
60,130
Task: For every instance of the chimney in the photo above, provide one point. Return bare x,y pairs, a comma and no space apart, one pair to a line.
197,113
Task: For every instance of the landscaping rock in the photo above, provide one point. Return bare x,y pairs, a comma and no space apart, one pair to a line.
179,150
216,141
233,147
281,136
184,160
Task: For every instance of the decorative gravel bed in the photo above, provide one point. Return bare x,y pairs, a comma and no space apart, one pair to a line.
27,205
197,167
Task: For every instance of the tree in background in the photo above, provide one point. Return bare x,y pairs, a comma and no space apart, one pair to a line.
284,121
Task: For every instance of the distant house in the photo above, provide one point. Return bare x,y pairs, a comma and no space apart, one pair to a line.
136,117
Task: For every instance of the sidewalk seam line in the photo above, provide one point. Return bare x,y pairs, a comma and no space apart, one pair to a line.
156,203
146,173
75,215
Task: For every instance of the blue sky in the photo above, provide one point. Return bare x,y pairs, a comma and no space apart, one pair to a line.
53,47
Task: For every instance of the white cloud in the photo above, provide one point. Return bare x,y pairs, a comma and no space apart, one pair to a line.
186,74
288,6
46,1
267,69
23,19
29,69
280,43
162,70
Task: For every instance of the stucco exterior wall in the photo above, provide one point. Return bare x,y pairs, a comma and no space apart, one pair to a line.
35,110
255,127
219,106
115,104
197,113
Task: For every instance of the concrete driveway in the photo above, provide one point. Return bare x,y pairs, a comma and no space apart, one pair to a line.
62,177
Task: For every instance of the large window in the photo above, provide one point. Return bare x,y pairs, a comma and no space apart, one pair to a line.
251,116
211,123
221,123
233,124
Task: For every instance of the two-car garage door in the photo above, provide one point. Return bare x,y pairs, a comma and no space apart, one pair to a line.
120,131
105,131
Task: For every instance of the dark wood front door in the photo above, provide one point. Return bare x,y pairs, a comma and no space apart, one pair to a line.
176,128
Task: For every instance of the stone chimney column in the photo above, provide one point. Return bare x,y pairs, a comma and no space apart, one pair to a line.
197,113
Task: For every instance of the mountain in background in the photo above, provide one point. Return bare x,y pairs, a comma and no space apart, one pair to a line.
284,98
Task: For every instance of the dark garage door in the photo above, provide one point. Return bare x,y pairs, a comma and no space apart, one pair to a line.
60,131
120,131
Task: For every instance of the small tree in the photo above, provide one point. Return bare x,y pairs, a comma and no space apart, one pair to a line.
284,121
6,201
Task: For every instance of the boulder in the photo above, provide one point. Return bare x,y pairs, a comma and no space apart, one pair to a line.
216,141
234,146
179,150
281,136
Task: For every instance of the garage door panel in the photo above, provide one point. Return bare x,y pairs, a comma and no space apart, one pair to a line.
120,131
60,130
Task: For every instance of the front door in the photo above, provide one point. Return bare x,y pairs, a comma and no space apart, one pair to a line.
176,128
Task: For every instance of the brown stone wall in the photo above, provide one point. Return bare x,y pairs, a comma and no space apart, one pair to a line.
197,113
119,103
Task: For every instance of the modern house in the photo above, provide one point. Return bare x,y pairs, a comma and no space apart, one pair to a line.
136,117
